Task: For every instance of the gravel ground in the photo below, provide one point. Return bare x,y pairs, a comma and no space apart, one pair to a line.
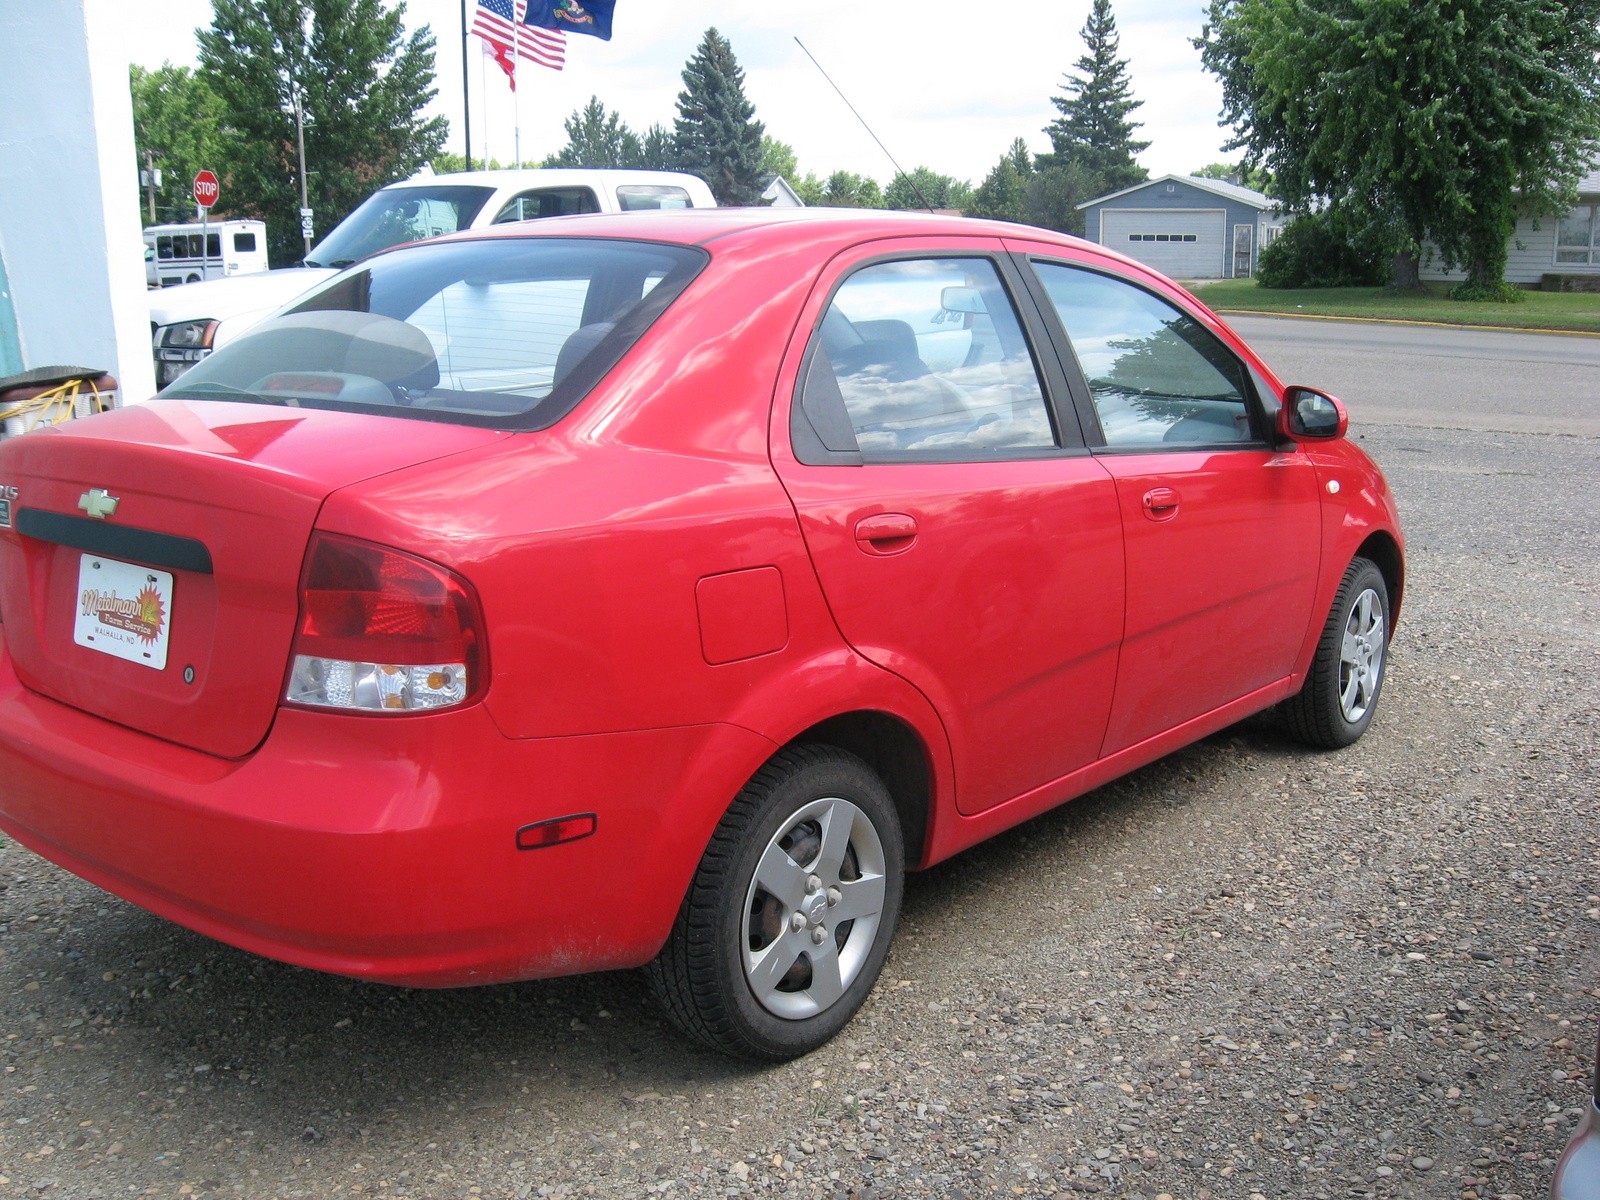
1246,971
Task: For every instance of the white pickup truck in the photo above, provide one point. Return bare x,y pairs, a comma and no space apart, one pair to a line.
190,321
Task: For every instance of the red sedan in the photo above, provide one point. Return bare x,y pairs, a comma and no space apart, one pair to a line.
657,589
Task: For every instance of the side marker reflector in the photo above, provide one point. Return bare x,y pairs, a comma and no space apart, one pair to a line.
556,831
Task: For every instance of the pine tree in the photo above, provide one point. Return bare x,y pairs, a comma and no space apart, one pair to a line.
716,134
1435,122
598,138
1094,130
1003,195
656,151
361,83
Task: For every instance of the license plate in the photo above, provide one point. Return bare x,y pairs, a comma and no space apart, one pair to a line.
124,610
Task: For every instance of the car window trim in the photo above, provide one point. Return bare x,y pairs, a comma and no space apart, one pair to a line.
1082,394
806,442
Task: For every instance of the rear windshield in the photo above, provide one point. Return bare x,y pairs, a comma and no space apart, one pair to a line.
503,333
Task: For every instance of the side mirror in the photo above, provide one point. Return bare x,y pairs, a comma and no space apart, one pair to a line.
1310,414
962,300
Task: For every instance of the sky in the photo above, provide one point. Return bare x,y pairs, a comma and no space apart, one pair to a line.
942,84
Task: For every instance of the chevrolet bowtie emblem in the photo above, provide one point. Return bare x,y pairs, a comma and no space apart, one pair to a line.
98,503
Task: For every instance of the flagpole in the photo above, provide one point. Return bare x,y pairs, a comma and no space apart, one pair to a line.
483,90
466,96
519,10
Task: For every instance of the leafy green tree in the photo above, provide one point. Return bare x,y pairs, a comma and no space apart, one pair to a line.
1094,129
597,137
176,130
1240,172
444,164
777,158
924,186
716,134
1003,195
845,189
1429,122
1052,195
810,189
361,84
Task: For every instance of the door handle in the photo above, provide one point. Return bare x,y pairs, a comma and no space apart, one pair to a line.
1160,504
886,533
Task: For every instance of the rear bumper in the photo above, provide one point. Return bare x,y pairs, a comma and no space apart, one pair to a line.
380,848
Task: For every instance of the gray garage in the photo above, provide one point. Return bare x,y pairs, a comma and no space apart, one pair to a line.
1186,227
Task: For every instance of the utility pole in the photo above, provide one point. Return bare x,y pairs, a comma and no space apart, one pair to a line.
300,143
150,182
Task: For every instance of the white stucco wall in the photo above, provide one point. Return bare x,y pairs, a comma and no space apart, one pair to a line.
69,190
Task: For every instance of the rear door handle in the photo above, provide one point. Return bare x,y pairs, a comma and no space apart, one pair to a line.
886,533
1160,503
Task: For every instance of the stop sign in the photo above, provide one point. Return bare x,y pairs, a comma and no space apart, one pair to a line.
206,189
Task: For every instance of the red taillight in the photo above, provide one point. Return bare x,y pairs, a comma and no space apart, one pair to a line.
383,631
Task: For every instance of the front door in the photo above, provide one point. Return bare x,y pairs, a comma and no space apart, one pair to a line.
1222,530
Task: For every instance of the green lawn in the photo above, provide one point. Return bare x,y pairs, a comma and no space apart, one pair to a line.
1541,310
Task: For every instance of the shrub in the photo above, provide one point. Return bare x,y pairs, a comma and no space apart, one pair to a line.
1313,251
1494,293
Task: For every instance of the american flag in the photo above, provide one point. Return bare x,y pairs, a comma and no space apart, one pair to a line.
499,23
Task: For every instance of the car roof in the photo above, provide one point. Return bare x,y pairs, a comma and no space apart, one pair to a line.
706,226
543,176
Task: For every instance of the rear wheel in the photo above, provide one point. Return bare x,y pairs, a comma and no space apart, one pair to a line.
789,917
1336,703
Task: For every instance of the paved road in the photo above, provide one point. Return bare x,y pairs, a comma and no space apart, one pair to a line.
1490,381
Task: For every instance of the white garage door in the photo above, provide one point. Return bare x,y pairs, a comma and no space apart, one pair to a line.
1184,245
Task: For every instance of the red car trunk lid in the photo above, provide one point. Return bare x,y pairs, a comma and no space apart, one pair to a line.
174,613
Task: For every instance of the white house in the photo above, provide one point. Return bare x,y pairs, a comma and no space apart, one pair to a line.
1565,248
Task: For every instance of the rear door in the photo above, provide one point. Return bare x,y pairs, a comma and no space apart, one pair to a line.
965,539
1221,528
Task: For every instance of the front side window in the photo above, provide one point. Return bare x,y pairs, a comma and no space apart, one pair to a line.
926,359
1156,375
1575,237
479,332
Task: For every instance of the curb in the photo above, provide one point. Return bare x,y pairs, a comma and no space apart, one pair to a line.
1256,312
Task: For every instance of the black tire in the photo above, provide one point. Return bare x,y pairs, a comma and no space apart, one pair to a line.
718,976
1340,694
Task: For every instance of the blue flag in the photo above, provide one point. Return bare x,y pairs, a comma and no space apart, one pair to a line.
592,17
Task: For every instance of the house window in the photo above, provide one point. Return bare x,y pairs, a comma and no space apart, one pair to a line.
1575,239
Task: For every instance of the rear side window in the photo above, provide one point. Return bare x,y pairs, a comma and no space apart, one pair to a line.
1156,375
633,197
548,202
506,333
926,359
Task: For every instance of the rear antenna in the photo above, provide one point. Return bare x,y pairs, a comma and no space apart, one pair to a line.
899,174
